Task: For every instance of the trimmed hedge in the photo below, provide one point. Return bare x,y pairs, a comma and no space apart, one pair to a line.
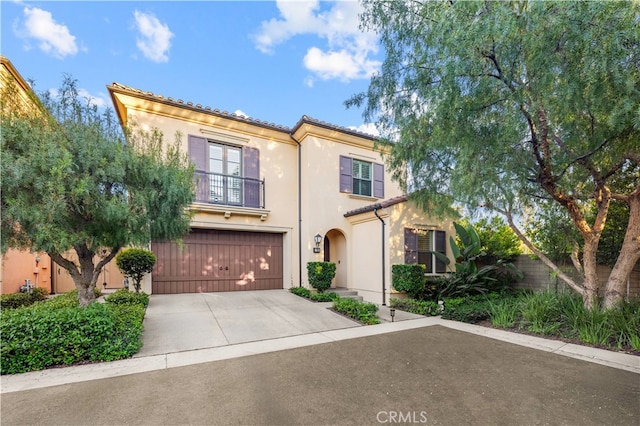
18,300
420,307
360,311
320,274
409,278
126,297
59,332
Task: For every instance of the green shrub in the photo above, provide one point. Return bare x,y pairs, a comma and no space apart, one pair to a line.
409,278
321,274
504,313
300,291
420,307
49,334
323,297
17,300
360,311
467,309
126,297
541,312
135,263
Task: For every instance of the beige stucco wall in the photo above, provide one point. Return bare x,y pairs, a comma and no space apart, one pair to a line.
278,168
323,205
366,247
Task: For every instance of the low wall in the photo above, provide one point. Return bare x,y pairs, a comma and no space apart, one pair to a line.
537,276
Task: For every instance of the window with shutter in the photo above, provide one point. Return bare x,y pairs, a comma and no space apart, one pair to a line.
420,246
361,177
226,174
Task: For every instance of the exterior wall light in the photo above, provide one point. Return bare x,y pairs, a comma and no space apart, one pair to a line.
317,239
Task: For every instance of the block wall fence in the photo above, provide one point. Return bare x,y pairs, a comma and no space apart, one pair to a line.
537,276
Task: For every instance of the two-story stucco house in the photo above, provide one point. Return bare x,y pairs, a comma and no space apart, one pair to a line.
270,198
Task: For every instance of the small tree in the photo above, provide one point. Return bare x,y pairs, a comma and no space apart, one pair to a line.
321,274
77,187
135,263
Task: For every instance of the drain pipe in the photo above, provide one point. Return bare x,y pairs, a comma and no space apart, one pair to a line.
384,274
299,210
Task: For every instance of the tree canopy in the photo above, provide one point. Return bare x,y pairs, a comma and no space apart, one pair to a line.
503,105
78,187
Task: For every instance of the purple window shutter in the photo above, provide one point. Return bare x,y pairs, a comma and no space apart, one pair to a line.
346,174
410,246
198,156
251,159
441,247
378,180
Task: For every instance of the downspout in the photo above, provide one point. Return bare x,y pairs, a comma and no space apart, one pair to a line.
299,210
384,274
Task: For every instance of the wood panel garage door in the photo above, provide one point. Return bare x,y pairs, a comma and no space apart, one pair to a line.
218,260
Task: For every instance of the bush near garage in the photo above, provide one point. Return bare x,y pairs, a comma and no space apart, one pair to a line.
18,300
321,274
58,332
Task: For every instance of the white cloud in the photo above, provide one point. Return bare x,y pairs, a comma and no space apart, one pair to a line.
342,64
346,55
154,40
53,38
367,128
241,113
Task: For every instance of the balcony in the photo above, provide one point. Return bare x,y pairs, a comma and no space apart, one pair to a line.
229,190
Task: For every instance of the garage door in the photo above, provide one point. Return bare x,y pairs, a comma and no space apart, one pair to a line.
218,260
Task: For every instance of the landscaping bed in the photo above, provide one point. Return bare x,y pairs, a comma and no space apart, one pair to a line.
57,332
558,316
362,312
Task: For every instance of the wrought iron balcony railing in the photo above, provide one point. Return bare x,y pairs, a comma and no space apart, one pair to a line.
230,190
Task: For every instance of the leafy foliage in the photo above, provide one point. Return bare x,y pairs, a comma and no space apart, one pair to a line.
499,242
468,278
409,278
301,291
320,274
504,104
59,332
18,300
135,263
419,307
323,297
125,297
360,311
77,187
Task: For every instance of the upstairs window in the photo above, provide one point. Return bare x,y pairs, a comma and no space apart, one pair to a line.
420,246
360,177
226,174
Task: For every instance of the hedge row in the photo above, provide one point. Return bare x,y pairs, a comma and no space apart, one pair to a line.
58,332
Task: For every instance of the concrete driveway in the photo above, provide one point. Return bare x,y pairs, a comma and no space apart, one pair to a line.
184,322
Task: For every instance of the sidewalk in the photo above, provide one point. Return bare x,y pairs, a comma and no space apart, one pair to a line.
81,373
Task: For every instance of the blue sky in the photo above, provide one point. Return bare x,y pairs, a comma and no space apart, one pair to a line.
273,61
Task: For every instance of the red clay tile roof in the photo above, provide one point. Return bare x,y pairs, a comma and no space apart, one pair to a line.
232,116
380,205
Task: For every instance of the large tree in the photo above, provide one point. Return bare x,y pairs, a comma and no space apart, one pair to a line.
504,104
77,187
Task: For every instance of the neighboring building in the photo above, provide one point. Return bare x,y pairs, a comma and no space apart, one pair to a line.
265,192
19,266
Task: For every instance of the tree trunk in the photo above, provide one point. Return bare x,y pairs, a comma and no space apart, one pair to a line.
84,274
628,257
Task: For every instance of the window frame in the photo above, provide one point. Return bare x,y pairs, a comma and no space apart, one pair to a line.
413,254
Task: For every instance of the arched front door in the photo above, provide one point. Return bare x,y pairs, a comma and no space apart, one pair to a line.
335,250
